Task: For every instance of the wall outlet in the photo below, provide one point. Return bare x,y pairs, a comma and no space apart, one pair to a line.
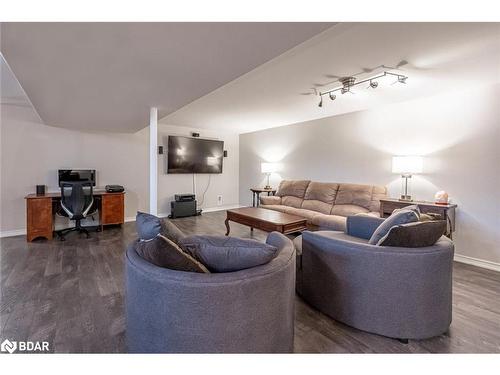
219,200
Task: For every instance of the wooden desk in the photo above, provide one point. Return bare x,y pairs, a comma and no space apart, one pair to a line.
40,211
256,194
447,211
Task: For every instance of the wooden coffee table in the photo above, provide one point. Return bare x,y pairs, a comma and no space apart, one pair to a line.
267,220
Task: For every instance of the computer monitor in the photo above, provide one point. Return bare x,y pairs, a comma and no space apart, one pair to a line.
70,175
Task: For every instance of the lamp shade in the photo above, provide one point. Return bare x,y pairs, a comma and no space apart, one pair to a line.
269,167
407,164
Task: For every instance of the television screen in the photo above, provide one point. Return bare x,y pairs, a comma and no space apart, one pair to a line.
70,175
194,155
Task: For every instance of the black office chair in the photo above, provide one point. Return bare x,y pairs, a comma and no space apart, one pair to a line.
77,202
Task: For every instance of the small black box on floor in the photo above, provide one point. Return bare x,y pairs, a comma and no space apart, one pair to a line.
182,209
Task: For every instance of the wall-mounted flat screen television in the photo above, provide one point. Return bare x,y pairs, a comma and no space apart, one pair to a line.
194,155
71,175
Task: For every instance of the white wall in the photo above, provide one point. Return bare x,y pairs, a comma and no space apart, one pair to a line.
458,133
31,154
225,184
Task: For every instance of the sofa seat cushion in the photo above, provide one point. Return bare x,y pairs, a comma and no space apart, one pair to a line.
163,252
270,199
317,206
301,212
228,254
348,210
291,201
295,188
398,217
332,222
275,207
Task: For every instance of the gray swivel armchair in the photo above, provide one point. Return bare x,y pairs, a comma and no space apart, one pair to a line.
402,293
247,311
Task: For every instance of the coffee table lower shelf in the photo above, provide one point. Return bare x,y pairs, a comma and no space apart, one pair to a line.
266,220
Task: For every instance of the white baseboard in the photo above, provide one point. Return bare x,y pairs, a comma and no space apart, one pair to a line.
477,262
12,233
22,232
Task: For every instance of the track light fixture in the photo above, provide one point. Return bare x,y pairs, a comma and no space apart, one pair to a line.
349,82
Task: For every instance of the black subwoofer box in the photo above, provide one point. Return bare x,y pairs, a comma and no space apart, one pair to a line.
182,209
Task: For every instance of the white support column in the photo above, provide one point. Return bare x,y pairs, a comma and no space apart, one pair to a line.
153,161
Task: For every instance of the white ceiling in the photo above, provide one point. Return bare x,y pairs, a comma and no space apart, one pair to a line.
105,76
439,56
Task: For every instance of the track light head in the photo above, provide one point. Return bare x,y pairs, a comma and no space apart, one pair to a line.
320,102
373,84
332,96
402,79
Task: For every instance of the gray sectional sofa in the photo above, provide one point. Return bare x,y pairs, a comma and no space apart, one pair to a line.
325,204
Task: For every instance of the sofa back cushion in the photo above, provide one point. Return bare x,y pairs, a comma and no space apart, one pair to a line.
364,196
320,196
294,188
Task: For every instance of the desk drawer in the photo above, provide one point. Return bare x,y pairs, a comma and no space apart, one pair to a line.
112,209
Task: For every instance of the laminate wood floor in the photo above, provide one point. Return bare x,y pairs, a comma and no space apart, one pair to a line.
71,294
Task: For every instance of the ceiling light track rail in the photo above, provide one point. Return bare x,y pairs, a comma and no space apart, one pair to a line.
349,82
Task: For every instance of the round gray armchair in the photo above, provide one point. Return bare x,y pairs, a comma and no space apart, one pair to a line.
403,293
248,311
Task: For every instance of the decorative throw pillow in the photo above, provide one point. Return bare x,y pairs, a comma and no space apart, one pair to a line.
148,226
163,252
418,234
398,217
172,232
430,217
228,254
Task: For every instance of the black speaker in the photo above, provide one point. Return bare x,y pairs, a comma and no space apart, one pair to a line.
160,150
182,209
225,153
196,135
40,189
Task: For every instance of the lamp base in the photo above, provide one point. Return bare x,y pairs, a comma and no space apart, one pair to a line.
267,187
405,198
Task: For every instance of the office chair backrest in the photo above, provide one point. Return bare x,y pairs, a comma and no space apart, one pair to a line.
76,198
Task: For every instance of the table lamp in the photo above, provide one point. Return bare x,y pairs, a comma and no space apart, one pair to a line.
406,166
268,168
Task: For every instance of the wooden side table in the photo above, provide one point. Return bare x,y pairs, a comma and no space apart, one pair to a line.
256,194
447,211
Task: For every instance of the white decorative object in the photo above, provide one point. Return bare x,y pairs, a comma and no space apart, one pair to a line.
441,197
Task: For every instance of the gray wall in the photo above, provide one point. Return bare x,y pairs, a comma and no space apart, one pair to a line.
457,133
